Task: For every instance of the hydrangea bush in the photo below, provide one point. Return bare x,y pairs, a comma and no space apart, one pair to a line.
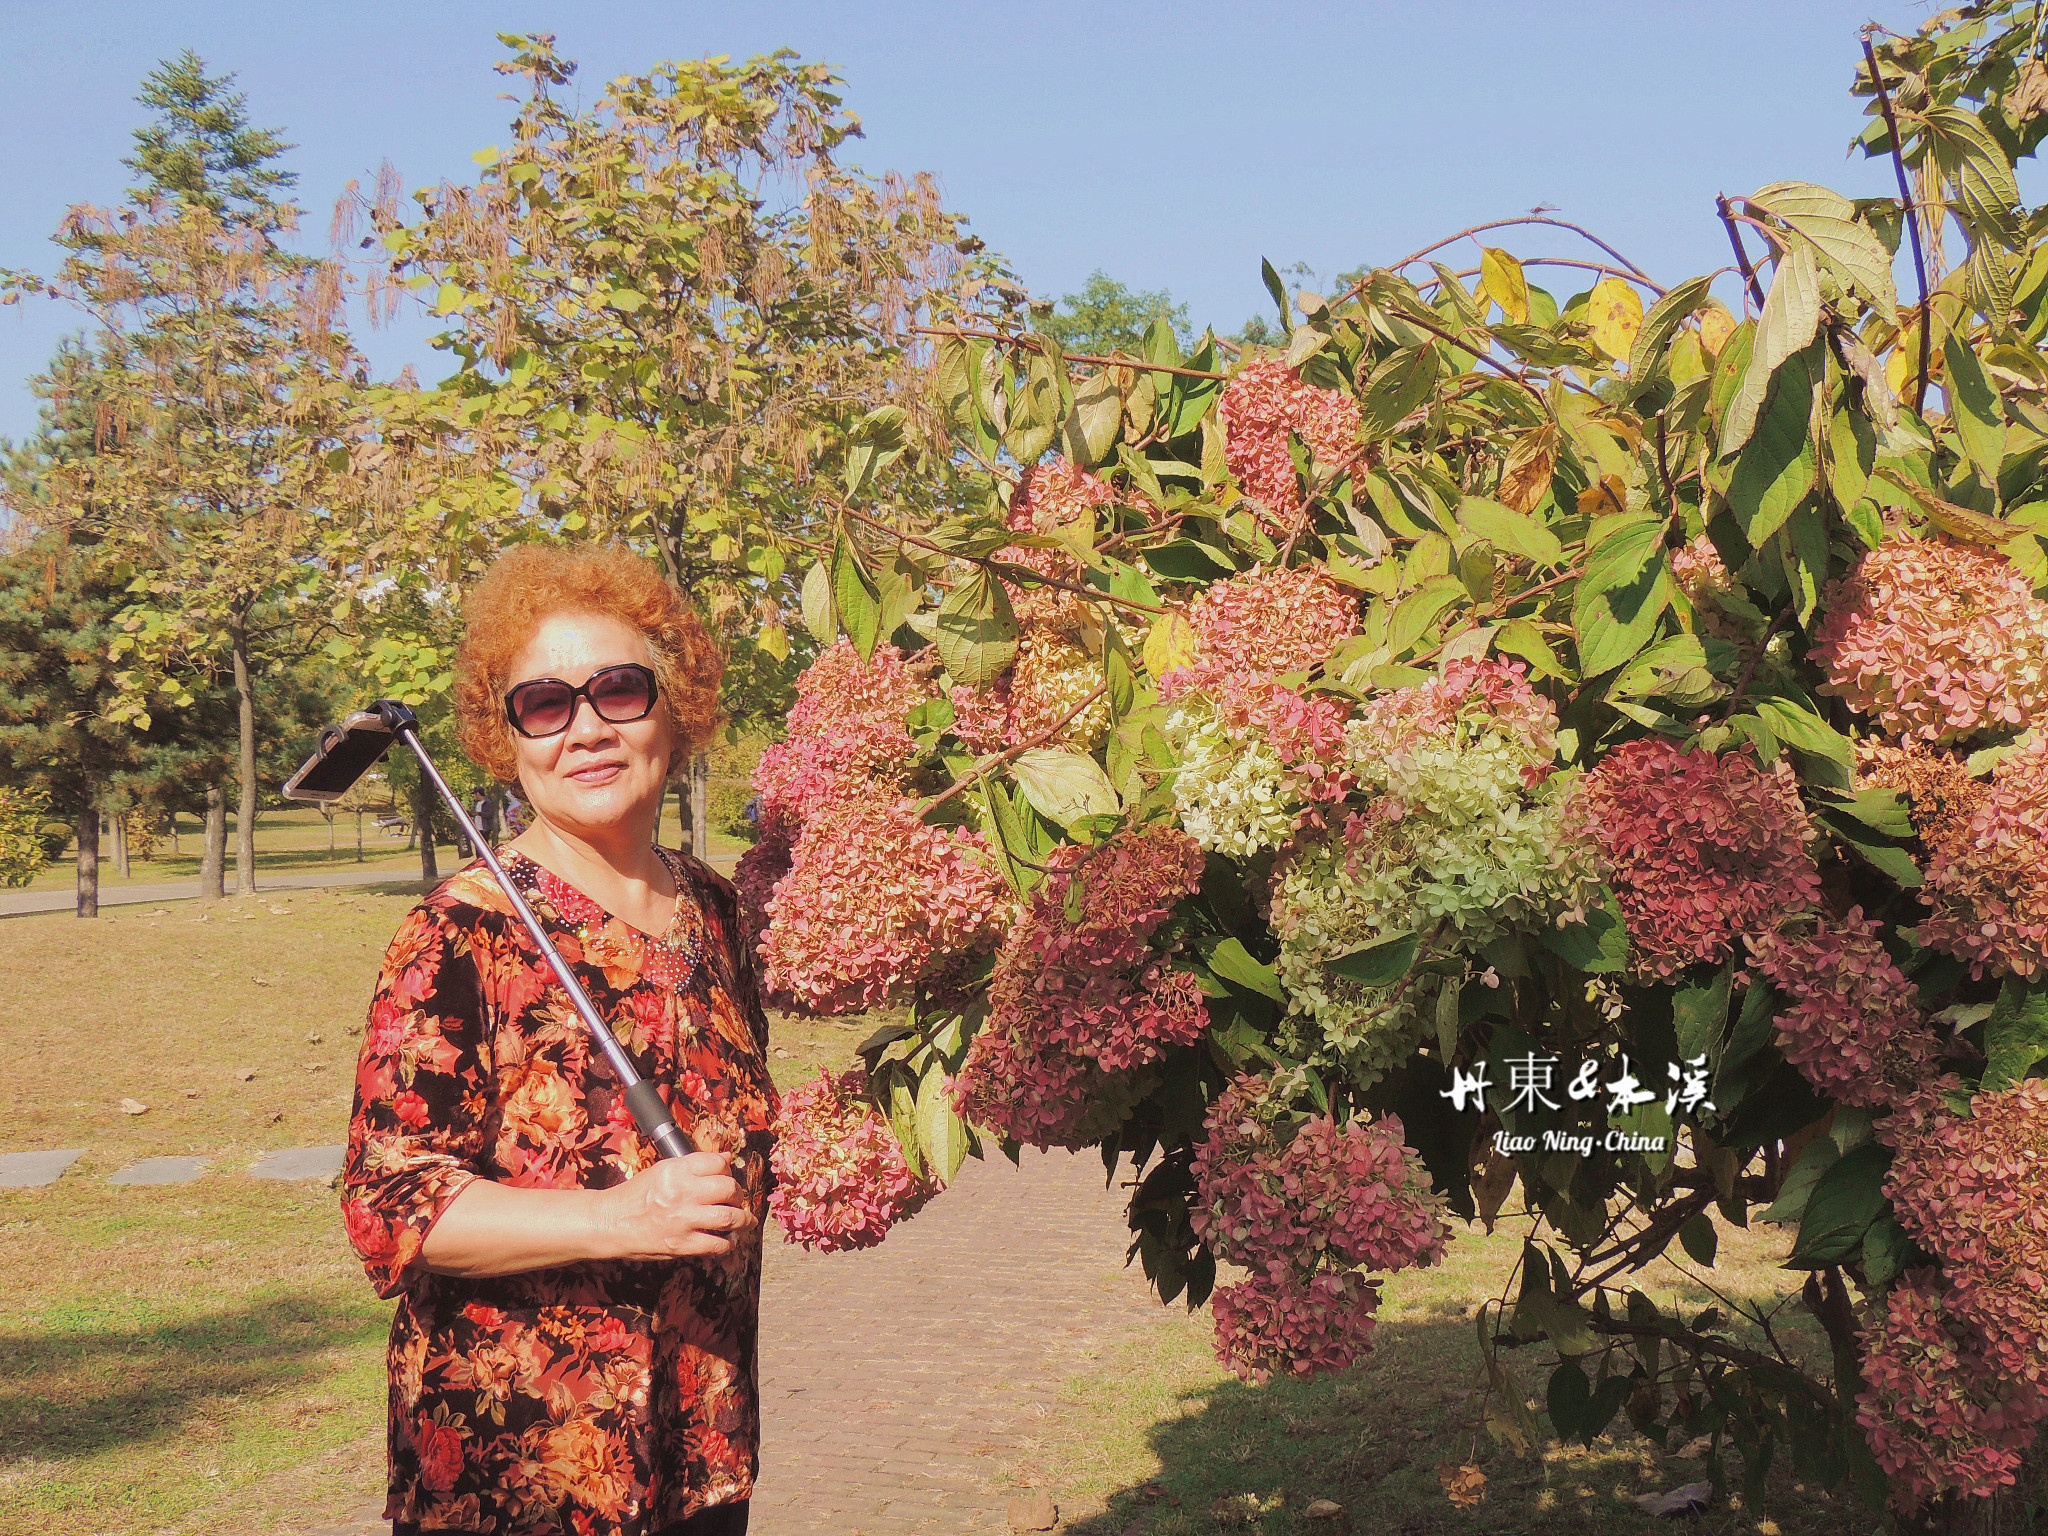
1578,761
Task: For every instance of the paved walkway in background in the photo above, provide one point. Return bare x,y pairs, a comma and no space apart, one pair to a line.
897,1383
19,903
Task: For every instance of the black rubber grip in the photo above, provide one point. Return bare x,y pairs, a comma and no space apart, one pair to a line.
654,1120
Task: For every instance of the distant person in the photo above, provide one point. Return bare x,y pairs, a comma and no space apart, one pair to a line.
575,1344
752,811
485,815
515,815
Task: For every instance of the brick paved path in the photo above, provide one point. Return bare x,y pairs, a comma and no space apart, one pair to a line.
897,1383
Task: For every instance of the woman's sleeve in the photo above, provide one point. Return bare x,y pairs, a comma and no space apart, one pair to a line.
417,1135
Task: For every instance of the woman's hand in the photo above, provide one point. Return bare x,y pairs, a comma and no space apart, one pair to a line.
683,1207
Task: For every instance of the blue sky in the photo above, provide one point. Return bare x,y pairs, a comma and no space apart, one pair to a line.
1170,145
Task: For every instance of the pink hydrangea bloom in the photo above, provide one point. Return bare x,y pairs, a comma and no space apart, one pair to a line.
1704,580
1263,624
1078,990
844,761
1260,406
874,901
1988,878
841,689
1939,1414
1973,1191
1050,494
1301,1213
1700,850
1854,1028
1936,640
758,869
1274,1323
841,1180
1350,1195
1495,694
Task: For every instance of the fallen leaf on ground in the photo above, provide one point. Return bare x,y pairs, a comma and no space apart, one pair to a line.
134,1107
1464,1486
1690,1499
1324,1509
247,1074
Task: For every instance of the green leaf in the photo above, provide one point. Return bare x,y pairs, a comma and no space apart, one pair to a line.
1379,964
943,1132
1419,609
1519,637
854,595
1653,338
2016,1033
1233,962
1820,1154
1510,531
821,615
1844,246
1567,1400
1279,291
1975,165
975,632
1596,946
1625,590
1700,1013
1778,466
1398,386
1064,787
1976,411
1798,724
1886,1251
1092,424
1791,315
1846,1199
1700,1240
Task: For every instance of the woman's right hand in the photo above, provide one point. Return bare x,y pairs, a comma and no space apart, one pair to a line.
682,1207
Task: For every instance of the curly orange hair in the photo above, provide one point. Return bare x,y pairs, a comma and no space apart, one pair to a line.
531,583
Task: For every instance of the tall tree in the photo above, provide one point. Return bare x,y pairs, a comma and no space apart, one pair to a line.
670,310
58,737
1106,316
221,384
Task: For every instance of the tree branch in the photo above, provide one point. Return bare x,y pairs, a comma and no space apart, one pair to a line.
1136,363
1010,754
1912,214
1756,290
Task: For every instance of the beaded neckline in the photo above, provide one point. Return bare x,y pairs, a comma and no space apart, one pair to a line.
669,960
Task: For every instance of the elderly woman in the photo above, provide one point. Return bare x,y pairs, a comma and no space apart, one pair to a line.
574,1347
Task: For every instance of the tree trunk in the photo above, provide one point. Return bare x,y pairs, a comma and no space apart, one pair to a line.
89,863
174,834
213,857
359,834
120,827
683,841
245,768
700,805
423,819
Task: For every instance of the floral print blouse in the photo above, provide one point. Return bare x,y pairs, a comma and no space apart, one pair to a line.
604,1398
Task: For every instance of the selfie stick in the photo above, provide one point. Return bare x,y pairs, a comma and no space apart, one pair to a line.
345,753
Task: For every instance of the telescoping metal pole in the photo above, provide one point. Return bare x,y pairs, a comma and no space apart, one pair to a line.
393,719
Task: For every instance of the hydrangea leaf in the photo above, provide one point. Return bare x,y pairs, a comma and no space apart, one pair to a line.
2016,1034
1064,787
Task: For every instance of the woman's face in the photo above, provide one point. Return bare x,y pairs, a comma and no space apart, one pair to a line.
595,779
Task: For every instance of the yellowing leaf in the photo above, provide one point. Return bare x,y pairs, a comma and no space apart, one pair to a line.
1605,499
774,640
1525,477
1501,275
1170,643
1615,312
1716,326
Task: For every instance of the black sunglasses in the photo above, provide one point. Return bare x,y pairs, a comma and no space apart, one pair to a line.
546,705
